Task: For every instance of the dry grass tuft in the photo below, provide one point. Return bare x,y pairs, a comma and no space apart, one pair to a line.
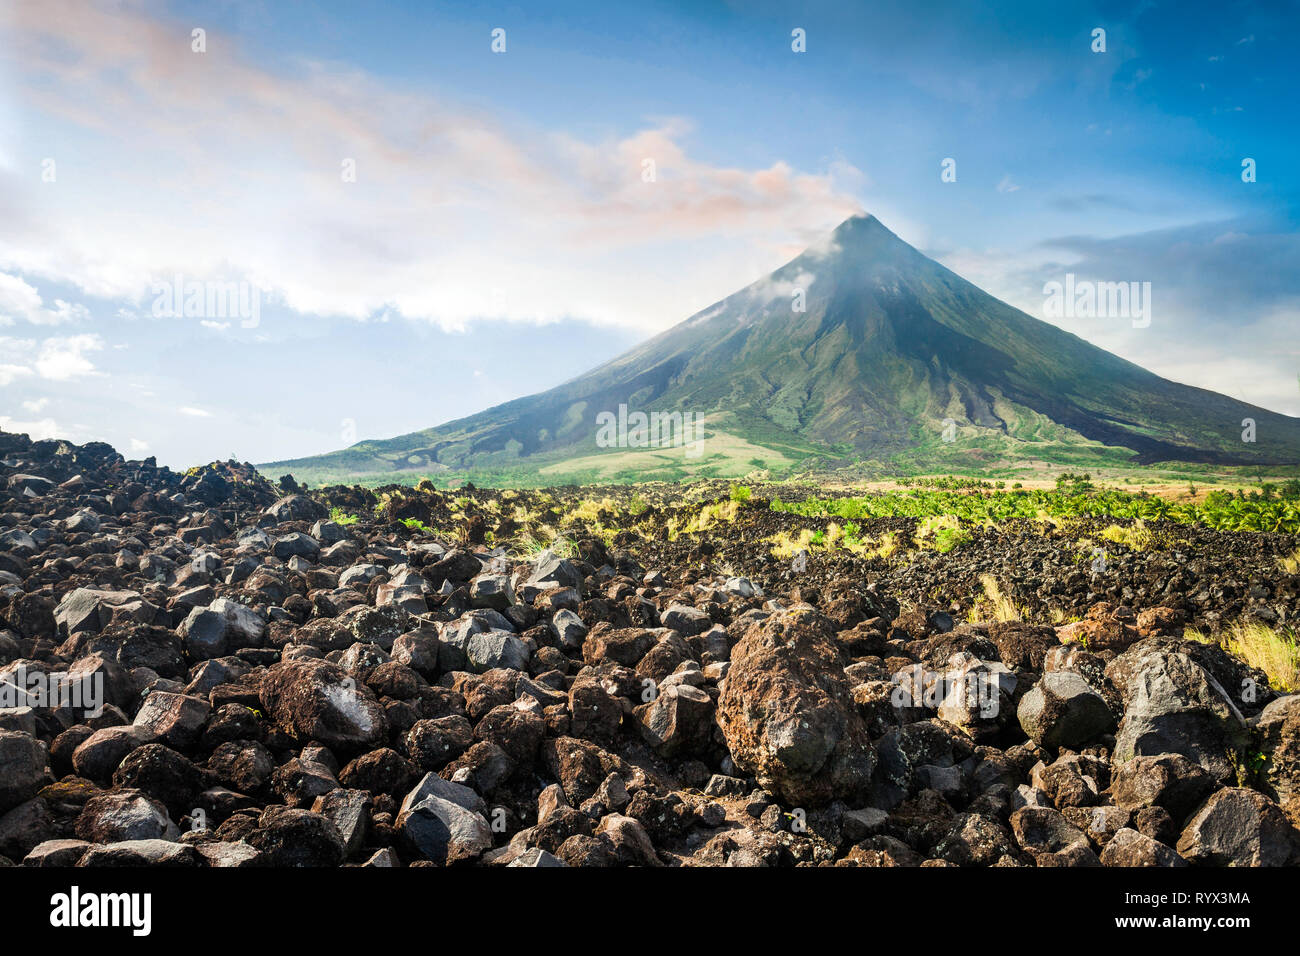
994,606
1274,651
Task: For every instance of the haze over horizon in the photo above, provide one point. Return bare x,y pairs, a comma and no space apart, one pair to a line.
500,235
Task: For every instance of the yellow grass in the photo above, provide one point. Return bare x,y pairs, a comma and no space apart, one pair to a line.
994,606
785,545
1274,651
710,515
1135,537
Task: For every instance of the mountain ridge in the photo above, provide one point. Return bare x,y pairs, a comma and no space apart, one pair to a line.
891,353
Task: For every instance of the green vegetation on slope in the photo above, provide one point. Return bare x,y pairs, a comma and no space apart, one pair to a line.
1271,510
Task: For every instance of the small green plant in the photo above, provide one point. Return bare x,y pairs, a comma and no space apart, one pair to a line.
740,493
341,517
943,533
415,524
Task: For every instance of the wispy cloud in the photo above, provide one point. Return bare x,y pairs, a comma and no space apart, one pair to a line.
20,302
1225,301
58,358
40,429
454,213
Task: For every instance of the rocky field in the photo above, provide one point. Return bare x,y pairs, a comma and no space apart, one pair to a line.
210,669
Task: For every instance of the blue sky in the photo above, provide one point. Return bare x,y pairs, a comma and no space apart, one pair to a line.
499,235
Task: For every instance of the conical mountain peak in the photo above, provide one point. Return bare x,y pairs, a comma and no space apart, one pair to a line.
863,343
859,247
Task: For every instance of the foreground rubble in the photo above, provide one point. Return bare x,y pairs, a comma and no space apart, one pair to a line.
204,671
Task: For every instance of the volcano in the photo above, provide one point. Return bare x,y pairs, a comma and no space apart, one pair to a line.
861,348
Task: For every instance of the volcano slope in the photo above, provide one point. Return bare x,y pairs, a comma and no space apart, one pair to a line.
859,349
404,678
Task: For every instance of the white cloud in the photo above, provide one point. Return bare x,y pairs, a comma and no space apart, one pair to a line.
194,412
64,358
1007,186
139,446
450,203
36,405
20,301
11,373
58,358
36,430
17,299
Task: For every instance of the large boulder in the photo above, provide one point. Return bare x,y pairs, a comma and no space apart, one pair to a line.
131,645
297,508
454,638
349,810
315,700
99,755
1062,710
288,836
1173,705
296,545
686,619
678,720
204,634
625,645
22,768
1278,733
1239,827
87,610
125,814
163,774
788,715
244,625
1129,848
1170,781
56,853
147,852
488,650
1050,838
442,824
975,840
172,719
491,591
551,570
